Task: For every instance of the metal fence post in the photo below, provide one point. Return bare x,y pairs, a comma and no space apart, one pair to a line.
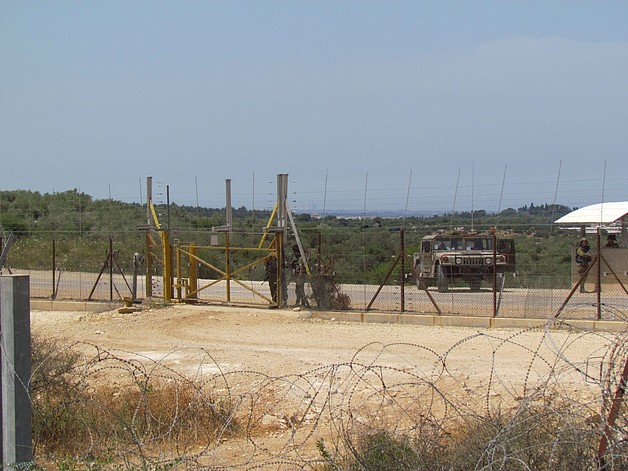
54,267
193,274
402,250
15,365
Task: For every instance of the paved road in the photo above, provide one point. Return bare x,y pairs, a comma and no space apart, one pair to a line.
514,302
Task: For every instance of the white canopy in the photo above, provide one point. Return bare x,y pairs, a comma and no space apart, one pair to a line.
601,213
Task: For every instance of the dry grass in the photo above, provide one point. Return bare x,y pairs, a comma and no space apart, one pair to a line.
543,433
130,424
377,417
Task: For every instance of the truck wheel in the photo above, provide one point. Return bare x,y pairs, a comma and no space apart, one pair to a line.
441,280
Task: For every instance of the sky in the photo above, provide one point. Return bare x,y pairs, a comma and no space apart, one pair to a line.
366,105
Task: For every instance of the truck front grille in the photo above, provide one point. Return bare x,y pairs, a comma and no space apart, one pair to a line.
473,261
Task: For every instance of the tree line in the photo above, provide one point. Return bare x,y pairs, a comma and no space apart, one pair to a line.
360,249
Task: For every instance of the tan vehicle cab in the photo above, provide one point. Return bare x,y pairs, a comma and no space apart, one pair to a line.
468,256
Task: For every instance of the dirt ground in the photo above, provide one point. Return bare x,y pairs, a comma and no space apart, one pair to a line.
287,341
269,342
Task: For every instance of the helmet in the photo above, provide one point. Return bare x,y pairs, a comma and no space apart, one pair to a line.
584,239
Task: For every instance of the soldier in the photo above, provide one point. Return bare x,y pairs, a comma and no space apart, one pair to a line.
583,259
271,277
611,241
300,274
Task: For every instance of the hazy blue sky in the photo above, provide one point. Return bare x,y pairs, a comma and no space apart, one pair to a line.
397,102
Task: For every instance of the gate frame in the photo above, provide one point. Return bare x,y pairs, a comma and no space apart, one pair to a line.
174,288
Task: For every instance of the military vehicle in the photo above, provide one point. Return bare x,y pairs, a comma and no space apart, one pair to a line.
467,256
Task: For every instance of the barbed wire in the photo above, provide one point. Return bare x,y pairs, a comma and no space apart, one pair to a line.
130,409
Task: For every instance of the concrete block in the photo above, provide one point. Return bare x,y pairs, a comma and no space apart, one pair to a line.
516,323
579,324
610,326
414,319
380,318
69,306
79,306
462,321
41,304
468,321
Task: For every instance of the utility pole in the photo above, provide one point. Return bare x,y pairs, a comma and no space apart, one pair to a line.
149,225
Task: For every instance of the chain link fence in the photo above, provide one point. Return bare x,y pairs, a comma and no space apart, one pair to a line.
342,274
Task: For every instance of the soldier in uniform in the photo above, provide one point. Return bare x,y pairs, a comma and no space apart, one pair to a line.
611,241
300,274
271,277
583,259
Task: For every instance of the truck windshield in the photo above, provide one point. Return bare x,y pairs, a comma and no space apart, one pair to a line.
453,243
459,243
463,243
479,243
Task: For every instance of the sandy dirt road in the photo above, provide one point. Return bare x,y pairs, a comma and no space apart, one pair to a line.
279,342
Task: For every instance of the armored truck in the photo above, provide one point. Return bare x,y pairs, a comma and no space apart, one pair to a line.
467,256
